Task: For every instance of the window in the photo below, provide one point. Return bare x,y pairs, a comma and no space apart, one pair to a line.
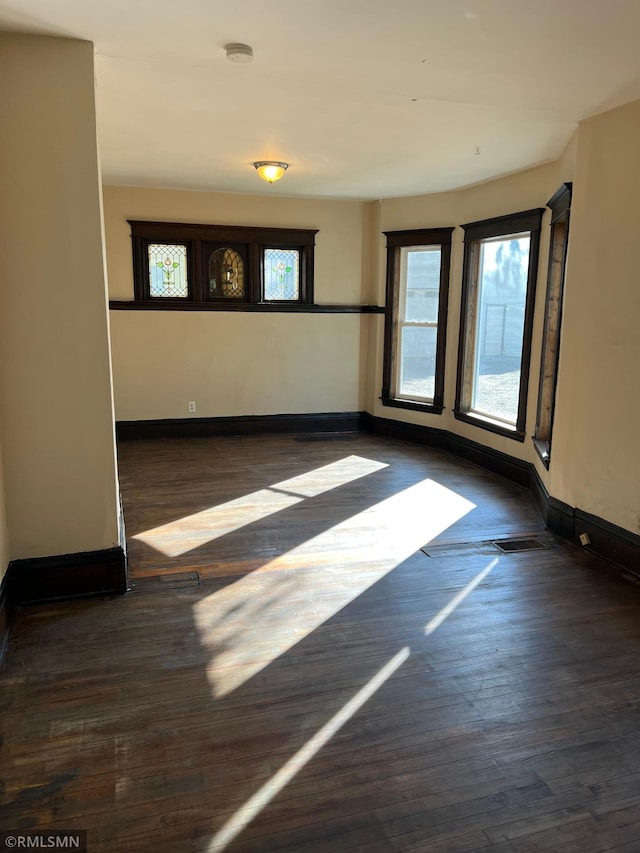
560,206
224,267
416,318
281,273
168,270
498,291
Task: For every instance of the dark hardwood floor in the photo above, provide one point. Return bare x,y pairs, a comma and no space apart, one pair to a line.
292,673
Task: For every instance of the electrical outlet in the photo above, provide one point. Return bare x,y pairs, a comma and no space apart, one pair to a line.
584,539
192,405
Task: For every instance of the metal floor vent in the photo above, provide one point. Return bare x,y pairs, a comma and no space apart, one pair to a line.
484,547
158,583
329,436
459,549
510,546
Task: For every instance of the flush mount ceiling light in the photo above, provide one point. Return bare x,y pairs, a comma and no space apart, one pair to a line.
239,52
270,171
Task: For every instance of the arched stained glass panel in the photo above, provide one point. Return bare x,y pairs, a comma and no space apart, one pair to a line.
226,274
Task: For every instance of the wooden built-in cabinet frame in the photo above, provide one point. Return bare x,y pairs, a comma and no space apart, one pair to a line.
254,241
249,242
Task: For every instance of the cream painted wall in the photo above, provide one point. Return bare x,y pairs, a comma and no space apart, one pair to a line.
234,364
55,382
511,194
5,549
341,243
241,363
596,453
596,447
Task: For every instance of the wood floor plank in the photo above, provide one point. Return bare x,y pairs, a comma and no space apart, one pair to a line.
322,684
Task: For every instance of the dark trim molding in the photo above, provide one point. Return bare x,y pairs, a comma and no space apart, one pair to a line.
7,614
528,220
499,463
557,515
397,403
227,233
415,433
489,425
90,573
419,237
560,201
560,206
246,425
512,223
247,307
608,541
542,449
396,241
516,470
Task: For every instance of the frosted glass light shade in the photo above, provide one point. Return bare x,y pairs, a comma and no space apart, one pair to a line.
271,171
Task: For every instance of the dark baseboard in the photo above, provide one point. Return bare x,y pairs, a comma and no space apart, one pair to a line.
557,516
100,573
245,425
499,463
415,433
516,470
608,540
7,613
91,573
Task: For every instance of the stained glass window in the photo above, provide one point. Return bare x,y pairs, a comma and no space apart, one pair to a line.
281,274
221,267
226,274
168,270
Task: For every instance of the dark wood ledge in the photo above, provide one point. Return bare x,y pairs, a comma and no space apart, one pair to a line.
265,308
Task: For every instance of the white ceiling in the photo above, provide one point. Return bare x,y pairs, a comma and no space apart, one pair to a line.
365,99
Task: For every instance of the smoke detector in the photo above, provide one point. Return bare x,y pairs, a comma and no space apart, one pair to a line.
239,52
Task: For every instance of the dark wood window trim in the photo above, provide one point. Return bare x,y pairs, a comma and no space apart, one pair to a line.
251,241
560,206
396,240
526,221
263,307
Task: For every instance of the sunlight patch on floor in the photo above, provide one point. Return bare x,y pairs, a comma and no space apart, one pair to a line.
250,623
265,794
330,476
184,534
255,804
455,602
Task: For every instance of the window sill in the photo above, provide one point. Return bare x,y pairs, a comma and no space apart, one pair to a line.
429,408
250,307
542,449
492,426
